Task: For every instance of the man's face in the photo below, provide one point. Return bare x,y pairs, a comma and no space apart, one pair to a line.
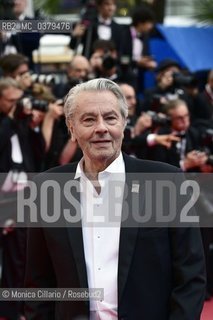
107,9
9,98
145,27
96,59
166,77
22,75
180,118
79,71
37,117
19,7
98,126
129,94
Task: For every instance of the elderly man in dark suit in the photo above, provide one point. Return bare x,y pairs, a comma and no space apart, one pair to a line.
146,273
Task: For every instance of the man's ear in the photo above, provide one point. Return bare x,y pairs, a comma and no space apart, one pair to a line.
71,129
125,124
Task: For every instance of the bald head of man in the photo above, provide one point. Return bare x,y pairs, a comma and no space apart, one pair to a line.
79,68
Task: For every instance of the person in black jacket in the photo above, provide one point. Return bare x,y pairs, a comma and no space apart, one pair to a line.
134,50
21,150
100,26
153,273
185,153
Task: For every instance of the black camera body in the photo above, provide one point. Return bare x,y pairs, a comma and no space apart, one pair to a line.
158,120
207,142
182,80
108,62
30,103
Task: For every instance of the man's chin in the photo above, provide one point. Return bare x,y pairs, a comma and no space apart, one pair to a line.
103,154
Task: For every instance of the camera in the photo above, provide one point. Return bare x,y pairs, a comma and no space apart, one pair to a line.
46,79
30,103
108,62
207,142
180,80
158,120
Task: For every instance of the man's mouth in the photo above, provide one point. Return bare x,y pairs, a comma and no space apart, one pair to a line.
100,142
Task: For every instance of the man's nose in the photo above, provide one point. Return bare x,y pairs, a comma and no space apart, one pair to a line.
83,74
101,126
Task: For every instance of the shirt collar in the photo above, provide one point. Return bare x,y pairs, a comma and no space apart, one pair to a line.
107,22
21,17
117,166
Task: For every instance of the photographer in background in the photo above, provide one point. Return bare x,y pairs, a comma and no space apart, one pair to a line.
104,61
140,134
36,97
77,72
16,66
156,97
134,52
21,150
204,101
185,153
130,96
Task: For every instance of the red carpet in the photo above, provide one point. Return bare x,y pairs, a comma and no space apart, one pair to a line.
207,313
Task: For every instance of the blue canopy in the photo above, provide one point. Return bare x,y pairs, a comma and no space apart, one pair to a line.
193,45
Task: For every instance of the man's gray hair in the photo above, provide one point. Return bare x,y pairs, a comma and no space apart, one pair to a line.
100,84
173,104
7,83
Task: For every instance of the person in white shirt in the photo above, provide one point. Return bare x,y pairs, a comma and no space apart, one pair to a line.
99,25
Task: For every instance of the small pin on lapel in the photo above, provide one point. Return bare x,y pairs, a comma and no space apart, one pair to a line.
135,187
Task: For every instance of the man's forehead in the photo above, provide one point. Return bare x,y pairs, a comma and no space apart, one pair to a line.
94,96
97,109
182,110
96,102
11,93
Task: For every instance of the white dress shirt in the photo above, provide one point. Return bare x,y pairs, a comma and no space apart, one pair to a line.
101,236
104,29
137,45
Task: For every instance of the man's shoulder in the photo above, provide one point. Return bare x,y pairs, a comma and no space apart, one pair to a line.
67,168
148,166
57,173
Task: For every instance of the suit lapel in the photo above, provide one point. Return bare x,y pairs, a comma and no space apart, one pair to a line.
129,227
76,242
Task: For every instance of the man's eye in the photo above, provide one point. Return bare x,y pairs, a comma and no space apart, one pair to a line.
88,120
111,119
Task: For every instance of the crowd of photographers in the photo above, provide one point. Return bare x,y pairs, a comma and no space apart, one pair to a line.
173,122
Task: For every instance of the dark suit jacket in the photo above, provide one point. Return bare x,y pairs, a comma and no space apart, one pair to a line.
160,271
26,42
126,43
132,74
91,35
31,143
